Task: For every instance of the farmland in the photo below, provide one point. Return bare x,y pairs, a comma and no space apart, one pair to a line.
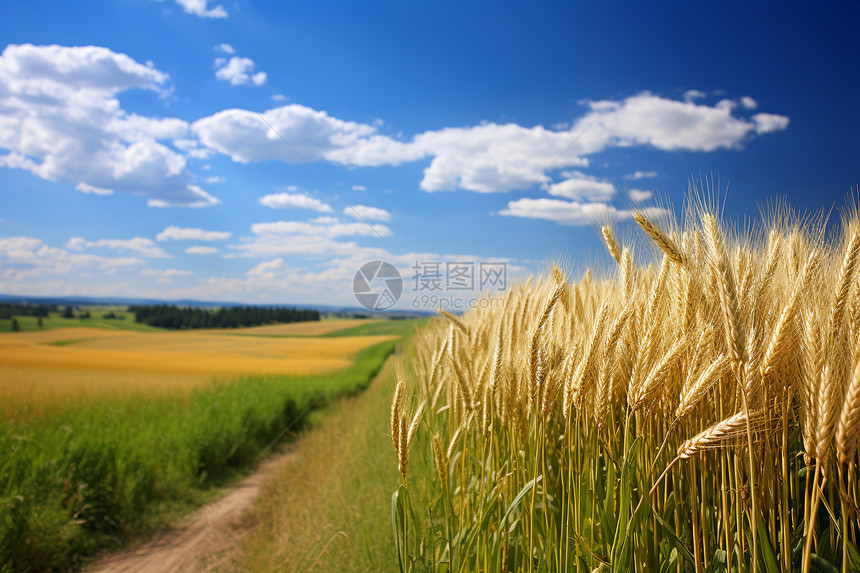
696,413
111,433
39,368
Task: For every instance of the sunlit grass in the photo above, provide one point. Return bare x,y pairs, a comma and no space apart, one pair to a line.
89,463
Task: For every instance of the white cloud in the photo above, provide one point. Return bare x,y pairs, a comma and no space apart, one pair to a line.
165,273
639,195
647,119
768,122
61,120
641,175
266,268
484,158
276,282
143,246
579,186
26,258
279,97
749,102
316,237
294,200
367,213
215,179
192,148
239,71
200,8
359,188
245,136
201,250
85,188
204,199
690,95
190,233
330,230
572,212
226,48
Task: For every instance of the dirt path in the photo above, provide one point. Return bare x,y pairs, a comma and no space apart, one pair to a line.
203,541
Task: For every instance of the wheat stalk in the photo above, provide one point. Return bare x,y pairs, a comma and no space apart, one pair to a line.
611,244
848,430
663,241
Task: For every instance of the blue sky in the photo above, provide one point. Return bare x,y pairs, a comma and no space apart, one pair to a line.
261,152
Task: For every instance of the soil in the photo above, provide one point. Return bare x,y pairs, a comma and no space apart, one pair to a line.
205,540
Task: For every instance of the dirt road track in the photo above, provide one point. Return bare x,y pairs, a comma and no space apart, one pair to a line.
203,541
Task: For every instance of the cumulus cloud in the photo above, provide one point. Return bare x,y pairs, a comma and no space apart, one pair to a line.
572,213
314,229
316,237
143,246
768,122
641,175
246,136
276,280
648,119
489,157
367,213
86,188
749,102
294,200
27,258
192,148
226,48
201,8
201,250
239,71
191,233
639,195
61,121
266,268
579,186
166,273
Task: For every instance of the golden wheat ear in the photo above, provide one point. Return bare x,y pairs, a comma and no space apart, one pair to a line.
441,461
611,243
455,321
848,431
662,240
396,407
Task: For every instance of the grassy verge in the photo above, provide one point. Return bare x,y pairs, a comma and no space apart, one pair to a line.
104,471
399,327
396,327
330,510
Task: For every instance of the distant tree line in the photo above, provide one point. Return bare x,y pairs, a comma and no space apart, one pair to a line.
8,310
175,317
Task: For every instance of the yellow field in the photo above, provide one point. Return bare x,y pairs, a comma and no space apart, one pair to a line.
312,328
43,368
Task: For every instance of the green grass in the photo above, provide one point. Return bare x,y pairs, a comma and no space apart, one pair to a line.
68,342
395,327
31,323
398,327
330,509
103,472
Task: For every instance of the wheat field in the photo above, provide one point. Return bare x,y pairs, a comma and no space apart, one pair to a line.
42,371
693,410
